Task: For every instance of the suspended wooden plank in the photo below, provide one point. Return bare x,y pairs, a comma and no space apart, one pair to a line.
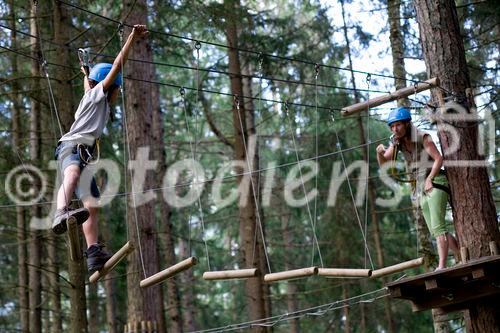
112,262
398,94
169,272
75,249
453,288
232,274
344,272
292,274
397,268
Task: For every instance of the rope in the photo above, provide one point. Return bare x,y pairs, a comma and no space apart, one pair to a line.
236,175
339,146
182,92
319,310
209,70
52,102
315,238
290,59
257,210
127,156
368,81
316,69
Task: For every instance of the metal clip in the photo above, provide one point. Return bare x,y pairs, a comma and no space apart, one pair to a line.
182,91
84,57
197,45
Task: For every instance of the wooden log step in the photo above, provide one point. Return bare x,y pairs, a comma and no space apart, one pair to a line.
232,274
168,272
292,274
112,262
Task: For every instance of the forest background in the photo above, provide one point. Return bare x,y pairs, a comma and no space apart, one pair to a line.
180,102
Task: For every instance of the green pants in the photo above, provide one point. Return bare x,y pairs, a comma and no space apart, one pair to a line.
433,206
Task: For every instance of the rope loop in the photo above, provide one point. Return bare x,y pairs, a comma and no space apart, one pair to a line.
285,105
197,45
237,102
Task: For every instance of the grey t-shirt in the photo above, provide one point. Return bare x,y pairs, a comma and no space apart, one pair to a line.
90,117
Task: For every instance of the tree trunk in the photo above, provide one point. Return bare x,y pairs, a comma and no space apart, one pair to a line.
371,192
173,297
473,211
143,304
63,74
53,283
188,296
22,257
247,209
346,311
35,248
109,281
294,324
397,47
253,156
93,306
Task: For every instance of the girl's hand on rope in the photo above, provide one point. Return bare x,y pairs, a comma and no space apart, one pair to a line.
139,31
381,149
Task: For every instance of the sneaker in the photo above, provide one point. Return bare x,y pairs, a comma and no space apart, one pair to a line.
96,257
59,225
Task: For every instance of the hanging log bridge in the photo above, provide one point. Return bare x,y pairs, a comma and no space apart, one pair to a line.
112,262
398,94
452,289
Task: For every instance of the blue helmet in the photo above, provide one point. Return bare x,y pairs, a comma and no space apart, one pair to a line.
100,70
398,114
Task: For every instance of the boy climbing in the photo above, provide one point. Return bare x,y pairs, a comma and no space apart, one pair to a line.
75,150
426,176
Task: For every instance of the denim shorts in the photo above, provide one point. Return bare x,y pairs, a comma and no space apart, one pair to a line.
67,154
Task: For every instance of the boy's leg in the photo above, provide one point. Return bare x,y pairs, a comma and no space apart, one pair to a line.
91,227
71,175
95,253
70,180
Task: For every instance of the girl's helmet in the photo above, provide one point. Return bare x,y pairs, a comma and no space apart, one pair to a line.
101,70
399,114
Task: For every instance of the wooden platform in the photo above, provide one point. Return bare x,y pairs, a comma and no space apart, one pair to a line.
453,288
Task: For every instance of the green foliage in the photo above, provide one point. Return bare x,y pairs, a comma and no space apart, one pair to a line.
279,30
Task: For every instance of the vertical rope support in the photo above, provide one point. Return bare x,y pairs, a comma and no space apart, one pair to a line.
368,142
52,101
195,176
261,74
315,238
339,148
127,144
250,174
316,70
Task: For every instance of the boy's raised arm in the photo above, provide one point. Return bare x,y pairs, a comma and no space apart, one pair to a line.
138,31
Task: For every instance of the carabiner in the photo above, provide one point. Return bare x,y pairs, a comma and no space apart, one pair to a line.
84,57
